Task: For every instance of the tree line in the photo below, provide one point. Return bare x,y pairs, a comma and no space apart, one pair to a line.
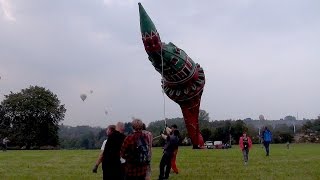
32,118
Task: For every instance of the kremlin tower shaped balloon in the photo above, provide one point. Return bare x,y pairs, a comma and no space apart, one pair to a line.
183,79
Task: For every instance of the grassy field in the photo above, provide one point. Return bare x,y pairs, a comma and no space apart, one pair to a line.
301,161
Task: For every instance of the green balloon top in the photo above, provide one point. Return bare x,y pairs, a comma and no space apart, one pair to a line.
146,24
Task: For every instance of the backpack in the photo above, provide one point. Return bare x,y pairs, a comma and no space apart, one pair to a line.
141,154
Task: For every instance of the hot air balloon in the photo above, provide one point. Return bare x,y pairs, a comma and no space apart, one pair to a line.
182,79
91,91
106,111
261,118
83,97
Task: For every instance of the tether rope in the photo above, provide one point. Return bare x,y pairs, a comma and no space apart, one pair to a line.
163,94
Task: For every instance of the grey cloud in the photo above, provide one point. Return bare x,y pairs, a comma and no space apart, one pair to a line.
259,57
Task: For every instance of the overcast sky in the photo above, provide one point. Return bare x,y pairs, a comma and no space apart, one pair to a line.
259,57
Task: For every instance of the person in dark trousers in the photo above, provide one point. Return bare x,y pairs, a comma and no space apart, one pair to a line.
174,167
245,144
111,164
172,142
266,137
119,128
5,143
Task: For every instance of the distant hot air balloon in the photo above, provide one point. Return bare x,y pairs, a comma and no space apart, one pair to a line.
83,97
261,117
106,112
91,91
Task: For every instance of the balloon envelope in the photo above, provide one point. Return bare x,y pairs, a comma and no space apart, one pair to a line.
261,117
83,97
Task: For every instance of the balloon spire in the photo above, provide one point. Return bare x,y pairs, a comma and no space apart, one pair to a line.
149,33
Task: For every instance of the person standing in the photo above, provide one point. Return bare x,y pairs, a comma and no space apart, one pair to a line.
111,163
245,144
172,142
170,131
5,143
100,157
266,137
134,168
120,128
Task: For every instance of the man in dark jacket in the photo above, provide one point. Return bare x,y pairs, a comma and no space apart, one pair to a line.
111,164
172,142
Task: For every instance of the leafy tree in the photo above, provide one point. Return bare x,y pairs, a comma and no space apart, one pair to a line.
4,123
81,137
286,137
203,115
237,129
206,133
290,118
33,116
219,134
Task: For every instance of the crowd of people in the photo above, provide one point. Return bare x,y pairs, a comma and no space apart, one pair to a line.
129,157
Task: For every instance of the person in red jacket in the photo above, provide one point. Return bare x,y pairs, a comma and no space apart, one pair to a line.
245,144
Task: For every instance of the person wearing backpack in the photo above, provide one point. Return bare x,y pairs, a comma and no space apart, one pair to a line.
135,150
266,137
171,144
245,144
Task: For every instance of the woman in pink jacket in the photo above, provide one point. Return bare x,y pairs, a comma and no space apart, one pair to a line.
245,144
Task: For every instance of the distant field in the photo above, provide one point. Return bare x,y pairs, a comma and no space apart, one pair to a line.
301,161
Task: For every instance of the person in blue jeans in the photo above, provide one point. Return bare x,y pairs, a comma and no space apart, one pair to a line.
267,137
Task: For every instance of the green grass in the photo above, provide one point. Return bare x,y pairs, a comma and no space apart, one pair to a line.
301,161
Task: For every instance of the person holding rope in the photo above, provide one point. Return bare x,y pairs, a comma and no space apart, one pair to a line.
172,142
170,131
